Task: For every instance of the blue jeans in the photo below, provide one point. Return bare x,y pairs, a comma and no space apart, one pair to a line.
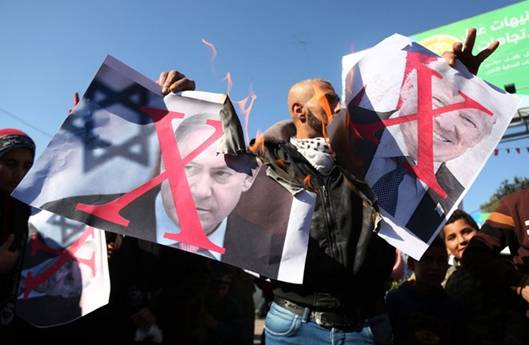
285,327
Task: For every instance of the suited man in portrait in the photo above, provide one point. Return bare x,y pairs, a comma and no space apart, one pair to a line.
219,184
386,166
226,190
216,182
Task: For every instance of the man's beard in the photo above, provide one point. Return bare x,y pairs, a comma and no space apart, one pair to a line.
315,123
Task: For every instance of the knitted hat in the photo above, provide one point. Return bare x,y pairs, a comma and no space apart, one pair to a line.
11,138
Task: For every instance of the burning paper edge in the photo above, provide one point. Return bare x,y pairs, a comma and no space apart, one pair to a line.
231,124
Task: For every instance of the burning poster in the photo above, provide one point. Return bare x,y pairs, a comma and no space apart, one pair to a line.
65,271
419,132
169,170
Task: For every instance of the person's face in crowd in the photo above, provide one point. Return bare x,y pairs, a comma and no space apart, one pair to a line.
313,103
317,106
454,132
13,167
431,269
216,188
66,282
456,237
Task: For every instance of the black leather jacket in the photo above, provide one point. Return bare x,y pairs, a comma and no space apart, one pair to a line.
347,264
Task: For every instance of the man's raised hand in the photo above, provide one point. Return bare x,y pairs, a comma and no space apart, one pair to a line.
463,52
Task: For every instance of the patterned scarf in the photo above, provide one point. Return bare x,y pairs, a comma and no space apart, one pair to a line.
317,152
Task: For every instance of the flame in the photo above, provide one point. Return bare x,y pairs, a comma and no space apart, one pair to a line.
245,106
75,102
211,46
307,182
229,82
324,103
281,163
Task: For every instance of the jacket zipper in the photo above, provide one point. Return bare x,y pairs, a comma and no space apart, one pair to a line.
328,219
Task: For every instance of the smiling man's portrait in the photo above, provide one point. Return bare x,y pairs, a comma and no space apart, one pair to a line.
421,130
454,132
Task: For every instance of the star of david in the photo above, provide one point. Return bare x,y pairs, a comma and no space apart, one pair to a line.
133,97
69,229
96,150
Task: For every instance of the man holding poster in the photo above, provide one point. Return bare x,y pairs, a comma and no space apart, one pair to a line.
347,265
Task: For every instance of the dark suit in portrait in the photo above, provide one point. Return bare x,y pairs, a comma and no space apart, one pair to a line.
358,134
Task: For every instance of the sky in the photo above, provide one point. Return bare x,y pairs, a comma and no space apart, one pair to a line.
52,49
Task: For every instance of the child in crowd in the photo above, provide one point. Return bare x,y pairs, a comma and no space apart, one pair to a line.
457,232
486,311
420,310
17,151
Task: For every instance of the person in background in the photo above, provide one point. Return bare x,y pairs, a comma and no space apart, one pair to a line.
17,151
502,282
420,310
229,309
507,226
457,232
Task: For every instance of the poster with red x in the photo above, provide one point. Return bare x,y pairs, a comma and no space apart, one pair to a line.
65,271
419,132
171,170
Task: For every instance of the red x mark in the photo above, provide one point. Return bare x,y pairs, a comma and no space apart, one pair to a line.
63,256
191,231
424,168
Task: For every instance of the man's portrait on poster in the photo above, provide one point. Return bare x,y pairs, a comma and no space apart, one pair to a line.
433,123
216,182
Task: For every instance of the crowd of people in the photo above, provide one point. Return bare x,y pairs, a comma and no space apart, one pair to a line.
163,295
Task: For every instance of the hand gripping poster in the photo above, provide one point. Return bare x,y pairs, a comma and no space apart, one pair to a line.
419,132
64,273
172,170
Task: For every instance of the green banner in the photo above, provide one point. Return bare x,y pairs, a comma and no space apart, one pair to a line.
509,25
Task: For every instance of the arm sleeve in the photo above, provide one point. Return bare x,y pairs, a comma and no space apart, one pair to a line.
482,255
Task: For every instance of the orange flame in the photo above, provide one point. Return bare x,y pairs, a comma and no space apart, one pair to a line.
229,82
211,46
324,103
307,182
281,163
245,106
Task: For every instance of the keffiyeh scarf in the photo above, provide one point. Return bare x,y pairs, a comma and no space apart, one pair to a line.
317,152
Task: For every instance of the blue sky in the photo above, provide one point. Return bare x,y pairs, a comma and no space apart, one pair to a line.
50,49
